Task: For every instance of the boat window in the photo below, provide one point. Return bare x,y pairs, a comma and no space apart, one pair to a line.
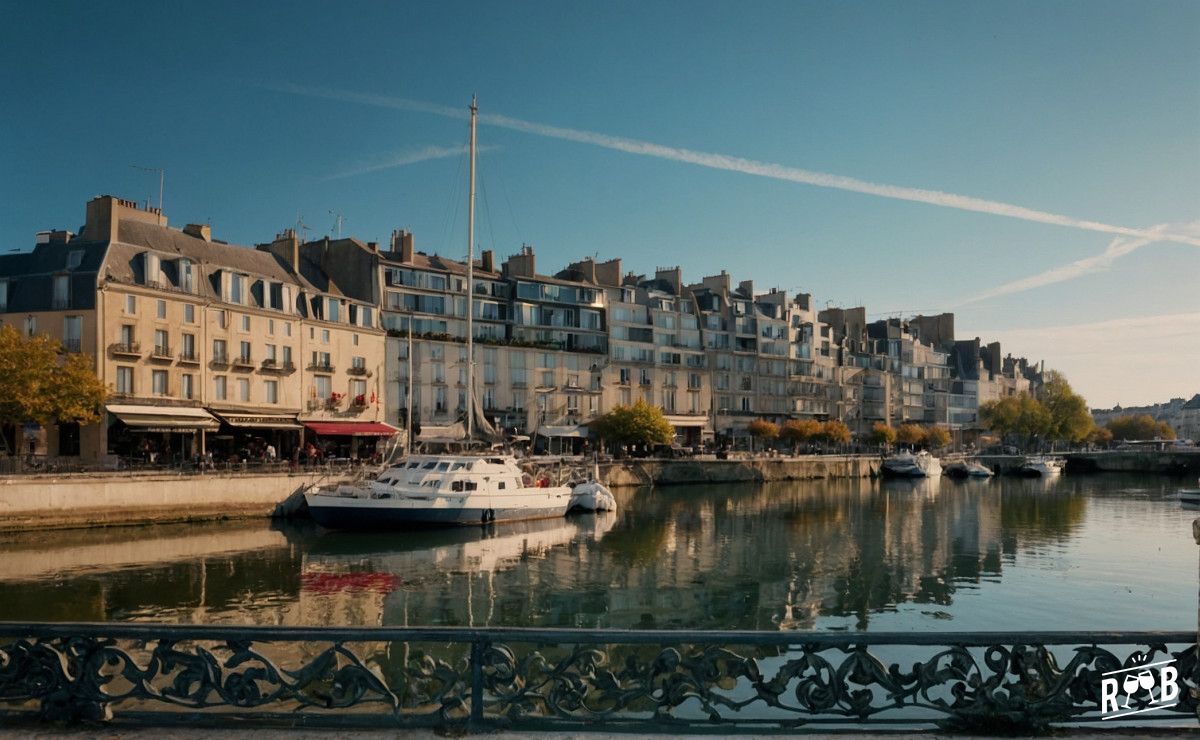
458,466
456,485
413,465
429,465
443,467
472,485
500,485
495,460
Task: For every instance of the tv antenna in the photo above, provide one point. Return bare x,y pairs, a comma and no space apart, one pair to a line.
301,228
338,218
162,176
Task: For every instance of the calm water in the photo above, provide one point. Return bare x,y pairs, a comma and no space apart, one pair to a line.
1087,552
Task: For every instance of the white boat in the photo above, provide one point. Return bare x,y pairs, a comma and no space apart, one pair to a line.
908,465
1043,467
1189,497
441,490
967,469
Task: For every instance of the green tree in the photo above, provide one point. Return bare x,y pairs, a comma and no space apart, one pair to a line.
882,434
799,431
835,432
40,384
1139,426
910,434
1021,416
936,437
640,423
1070,420
1001,415
1100,436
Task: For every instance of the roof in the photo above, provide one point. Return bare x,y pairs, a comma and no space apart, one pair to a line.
422,261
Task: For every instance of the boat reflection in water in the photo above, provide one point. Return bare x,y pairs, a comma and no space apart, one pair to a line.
365,578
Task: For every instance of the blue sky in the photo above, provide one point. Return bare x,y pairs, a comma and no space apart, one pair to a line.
1087,110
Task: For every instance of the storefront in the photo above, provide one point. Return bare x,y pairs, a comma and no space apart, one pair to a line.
561,440
252,436
158,435
345,440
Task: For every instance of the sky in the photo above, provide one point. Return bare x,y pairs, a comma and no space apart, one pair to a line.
1033,167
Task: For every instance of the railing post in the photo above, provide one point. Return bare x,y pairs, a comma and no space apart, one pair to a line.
477,646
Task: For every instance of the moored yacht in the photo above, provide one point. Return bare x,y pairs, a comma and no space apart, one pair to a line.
908,465
967,469
1042,467
442,490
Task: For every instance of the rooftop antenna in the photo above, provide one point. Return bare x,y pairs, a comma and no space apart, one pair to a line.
301,227
338,218
162,175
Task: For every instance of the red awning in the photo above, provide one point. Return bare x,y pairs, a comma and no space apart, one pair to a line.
351,428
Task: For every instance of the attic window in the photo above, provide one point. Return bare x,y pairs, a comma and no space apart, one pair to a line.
74,257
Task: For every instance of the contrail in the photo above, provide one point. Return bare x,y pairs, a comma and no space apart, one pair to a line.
401,159
406,158
745,166
1117,248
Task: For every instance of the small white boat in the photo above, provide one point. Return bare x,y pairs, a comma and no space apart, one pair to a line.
592,496
1042,467
1189,497
908,465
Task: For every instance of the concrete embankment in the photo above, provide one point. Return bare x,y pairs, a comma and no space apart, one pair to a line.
753,470
47,502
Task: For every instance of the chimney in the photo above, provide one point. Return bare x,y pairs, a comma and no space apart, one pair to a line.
671,275
200,231
521,265
286,247
488,261
402,243
609,273
373,246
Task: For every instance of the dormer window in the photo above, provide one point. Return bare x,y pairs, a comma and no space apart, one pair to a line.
237,289
74,257
4,295
187,280
333,309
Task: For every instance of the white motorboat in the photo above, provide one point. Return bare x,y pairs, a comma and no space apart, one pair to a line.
967,469
908,465
441,490
1042,467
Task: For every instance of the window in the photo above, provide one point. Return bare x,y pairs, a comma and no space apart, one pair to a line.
272,391
287,355
237,289
322,386
439,399
162,342
222,319
547,378
271,326
186,281
72,333
30,325
160,309
219,387
245,322
358,388
3,295
127,334
130,304
320,359
518,400
354,340
189,313
61,297
74,258
219,354
287,329
125,380
188,349
270,353
358,363
158,381
244,353
324,336
243,389
331,310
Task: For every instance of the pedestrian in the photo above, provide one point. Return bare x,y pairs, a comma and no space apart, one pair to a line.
270,452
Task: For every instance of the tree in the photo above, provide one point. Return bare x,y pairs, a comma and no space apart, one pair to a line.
763,430
910,434
882,434
1139,426
835,432
1070,420
936,437
1001,415
1100,436
39,385
640,423
1022,416
799,431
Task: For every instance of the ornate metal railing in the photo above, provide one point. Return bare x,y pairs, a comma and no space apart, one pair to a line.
562,679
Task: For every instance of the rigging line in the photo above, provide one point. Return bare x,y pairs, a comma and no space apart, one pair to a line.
455,199
486,207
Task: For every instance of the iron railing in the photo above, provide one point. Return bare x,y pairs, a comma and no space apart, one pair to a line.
483,679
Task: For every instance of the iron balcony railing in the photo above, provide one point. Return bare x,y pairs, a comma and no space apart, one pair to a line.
278,366
161,352
616,680
189,357
126,348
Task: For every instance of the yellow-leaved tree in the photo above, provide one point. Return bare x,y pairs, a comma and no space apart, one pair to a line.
40,384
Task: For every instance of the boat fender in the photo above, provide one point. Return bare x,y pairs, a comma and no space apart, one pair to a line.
489,515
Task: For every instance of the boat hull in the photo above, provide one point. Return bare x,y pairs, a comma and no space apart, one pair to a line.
350,512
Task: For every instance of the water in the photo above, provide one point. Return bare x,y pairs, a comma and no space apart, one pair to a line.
1075,553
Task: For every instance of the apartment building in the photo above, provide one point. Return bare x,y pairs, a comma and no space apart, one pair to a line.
204,346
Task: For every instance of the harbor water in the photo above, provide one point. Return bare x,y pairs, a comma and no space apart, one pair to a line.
1098,552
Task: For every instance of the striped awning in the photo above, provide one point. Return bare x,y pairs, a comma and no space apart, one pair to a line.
164,418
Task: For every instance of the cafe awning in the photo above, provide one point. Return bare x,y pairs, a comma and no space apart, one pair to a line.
351,428
257,421
164,418
578,432
686,421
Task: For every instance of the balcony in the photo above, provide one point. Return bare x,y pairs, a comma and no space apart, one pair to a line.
357,370
358,403
244,362
126,349
275,366
315,403
189,357
161,352
219,362
321,367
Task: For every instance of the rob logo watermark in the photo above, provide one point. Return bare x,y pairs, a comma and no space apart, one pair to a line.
1151,687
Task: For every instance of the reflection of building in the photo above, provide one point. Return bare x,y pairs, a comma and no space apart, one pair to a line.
197,340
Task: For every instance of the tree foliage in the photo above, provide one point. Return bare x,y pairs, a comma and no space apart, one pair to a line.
798,431
763,430
910,434
640,423
882,434
1070,420
936,437
1100,436
835,432
39,384
1139,426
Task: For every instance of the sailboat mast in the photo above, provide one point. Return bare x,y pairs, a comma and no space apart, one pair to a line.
471,282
